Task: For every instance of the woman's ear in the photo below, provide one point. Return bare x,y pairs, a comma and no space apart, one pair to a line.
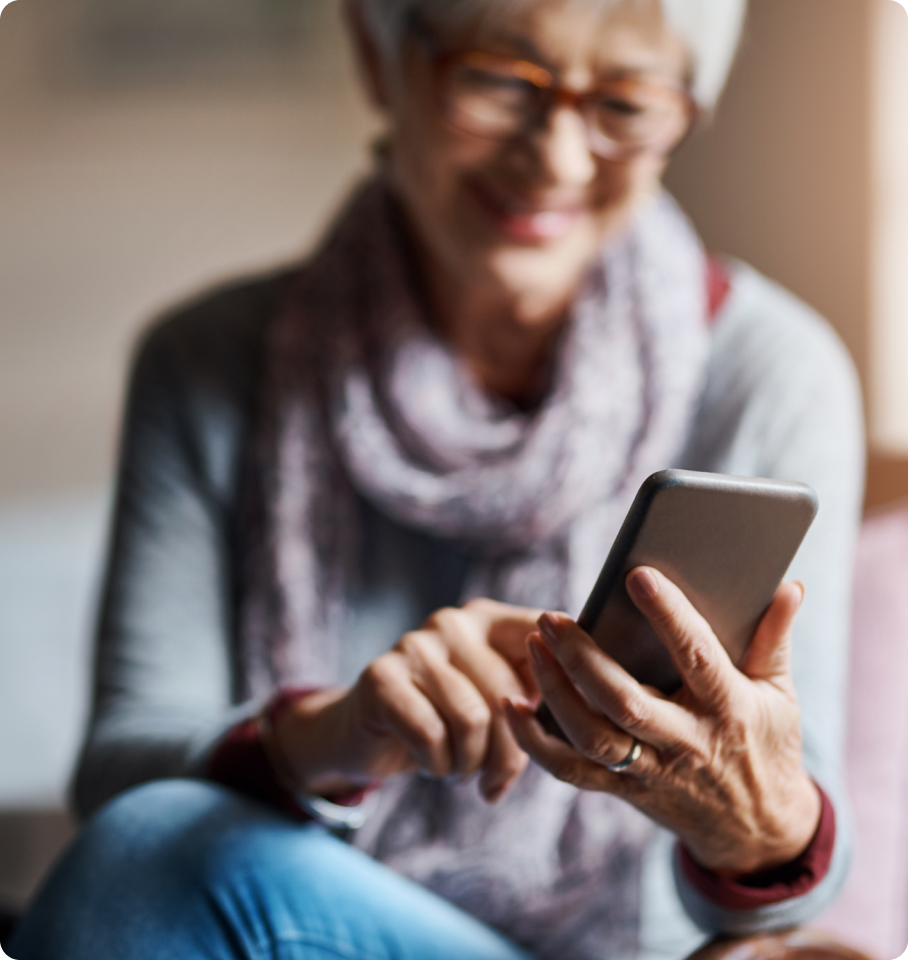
368,56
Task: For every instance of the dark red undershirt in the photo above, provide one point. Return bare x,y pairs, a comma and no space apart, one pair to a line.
240,762
718,287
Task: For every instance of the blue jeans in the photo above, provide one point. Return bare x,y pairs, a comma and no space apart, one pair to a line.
180,869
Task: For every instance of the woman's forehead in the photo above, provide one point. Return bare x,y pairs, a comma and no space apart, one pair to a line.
706,32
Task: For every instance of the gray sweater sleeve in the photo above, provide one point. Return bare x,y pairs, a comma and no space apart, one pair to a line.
783,401
164,671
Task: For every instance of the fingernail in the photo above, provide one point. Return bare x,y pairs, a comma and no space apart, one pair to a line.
516,705
552,627
803,589
643,584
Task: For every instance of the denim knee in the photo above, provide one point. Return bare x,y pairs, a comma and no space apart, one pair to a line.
141,878
191,870
195,822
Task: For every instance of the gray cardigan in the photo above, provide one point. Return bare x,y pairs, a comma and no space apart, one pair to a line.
781,401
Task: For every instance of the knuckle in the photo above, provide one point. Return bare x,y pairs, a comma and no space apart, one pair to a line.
481,606
434,732
595,746
507,773
446,615
474,716
382,673
513,765
418,645
631,710
695,652
569,771
446,623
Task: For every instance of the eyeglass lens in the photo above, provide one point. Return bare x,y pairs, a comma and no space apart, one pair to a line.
497,99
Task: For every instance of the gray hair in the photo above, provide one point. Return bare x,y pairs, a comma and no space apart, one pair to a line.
711,29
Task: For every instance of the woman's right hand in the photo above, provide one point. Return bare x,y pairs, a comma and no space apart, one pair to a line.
432,703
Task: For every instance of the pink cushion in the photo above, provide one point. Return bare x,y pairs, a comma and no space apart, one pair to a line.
872,913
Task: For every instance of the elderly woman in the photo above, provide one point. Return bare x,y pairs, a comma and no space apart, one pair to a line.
349,490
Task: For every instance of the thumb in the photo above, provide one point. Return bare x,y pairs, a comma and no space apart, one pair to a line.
769,655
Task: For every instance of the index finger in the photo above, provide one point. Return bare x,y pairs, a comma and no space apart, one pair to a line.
701,661
506,628
464,633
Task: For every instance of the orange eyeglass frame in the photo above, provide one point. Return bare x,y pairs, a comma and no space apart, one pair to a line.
557,95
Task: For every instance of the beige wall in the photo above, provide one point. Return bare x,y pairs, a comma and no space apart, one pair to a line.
888,335
114,202
783,179
805,175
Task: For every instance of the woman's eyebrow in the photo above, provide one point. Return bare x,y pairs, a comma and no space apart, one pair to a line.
525,48
521,45
624,73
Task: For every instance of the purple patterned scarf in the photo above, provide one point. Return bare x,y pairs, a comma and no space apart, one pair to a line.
362,398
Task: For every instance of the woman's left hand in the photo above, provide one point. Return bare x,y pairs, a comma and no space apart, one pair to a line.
720,763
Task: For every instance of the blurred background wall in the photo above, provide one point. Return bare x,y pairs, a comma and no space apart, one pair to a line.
805,175
147,149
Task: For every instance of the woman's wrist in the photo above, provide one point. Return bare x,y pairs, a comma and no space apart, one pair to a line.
299,733
801,817
805,810
792,879
784,842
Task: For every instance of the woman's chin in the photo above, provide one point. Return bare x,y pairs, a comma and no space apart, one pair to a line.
524,252
548,270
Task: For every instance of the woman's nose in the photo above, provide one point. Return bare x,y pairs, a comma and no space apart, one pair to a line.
564,151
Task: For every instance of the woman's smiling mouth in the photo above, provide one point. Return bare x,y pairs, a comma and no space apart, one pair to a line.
533,221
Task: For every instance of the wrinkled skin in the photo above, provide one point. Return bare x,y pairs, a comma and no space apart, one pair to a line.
721,759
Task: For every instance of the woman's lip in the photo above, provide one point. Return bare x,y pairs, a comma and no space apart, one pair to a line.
523,219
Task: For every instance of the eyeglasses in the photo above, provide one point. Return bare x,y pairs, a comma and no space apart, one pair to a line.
501,98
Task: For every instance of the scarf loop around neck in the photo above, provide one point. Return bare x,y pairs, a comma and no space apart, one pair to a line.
361,398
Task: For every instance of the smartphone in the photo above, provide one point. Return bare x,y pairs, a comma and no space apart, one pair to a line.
725,541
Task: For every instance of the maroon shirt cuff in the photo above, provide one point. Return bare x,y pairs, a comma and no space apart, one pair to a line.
792,879
241,762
